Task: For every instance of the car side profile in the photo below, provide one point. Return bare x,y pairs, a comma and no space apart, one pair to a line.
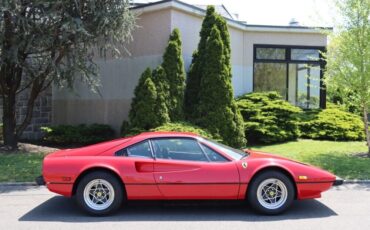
179,166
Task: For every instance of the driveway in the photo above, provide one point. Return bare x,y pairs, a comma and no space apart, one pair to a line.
346,207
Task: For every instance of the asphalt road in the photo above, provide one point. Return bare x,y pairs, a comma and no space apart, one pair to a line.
345,207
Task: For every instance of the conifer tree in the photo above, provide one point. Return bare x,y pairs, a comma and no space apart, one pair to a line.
173,66
196,68
144,113
162,87
217,110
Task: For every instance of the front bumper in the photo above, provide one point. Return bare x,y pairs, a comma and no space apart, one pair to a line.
40,180
338,181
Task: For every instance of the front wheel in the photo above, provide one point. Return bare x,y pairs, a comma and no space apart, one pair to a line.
271,192
99,193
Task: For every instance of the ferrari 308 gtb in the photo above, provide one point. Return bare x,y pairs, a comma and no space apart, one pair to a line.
179,166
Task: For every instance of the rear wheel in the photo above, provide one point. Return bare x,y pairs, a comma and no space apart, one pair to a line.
99,193
271,192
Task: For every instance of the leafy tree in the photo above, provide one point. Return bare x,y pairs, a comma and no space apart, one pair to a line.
198,62
217,110
348,56
143,114
173,65
45,41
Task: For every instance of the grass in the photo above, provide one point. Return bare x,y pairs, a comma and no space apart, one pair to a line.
20,166
337,157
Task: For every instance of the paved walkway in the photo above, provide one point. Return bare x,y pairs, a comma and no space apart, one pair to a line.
345,207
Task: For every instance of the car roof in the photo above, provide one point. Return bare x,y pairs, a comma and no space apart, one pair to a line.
166,134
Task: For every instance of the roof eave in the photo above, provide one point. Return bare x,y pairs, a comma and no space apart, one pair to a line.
178,5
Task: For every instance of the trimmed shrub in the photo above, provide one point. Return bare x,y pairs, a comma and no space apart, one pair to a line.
77,134
268,118
332,123
186,127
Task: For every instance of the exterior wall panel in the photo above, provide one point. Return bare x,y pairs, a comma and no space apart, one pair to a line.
120,77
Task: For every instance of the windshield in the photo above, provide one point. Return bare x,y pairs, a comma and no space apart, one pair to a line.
235,154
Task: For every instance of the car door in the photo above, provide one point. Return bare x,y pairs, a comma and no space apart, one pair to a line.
182,170
136,166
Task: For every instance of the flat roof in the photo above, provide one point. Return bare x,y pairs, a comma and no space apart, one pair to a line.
192,9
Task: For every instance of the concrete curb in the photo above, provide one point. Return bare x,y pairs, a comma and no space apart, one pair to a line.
34,183
18,184
356,181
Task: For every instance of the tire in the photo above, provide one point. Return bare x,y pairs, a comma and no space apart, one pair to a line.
271,192
100,193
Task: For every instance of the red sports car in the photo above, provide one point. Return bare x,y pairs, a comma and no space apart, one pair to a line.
179,166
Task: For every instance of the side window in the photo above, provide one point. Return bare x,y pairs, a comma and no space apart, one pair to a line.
212,155
178,149
141,149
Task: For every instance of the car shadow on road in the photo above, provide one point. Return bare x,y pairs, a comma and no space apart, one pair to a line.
61,209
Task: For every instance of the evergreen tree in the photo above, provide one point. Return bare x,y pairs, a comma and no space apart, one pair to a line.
217,110
161,84
173,65
192,88
144,112
196,68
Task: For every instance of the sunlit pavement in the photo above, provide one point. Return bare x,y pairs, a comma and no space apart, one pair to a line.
344,207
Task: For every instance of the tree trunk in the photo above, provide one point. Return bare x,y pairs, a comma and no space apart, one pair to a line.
366,122
9,121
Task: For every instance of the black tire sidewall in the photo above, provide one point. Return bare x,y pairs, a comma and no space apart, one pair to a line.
118,193
252,192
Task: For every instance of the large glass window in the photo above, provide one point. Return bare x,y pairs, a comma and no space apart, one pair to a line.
178,149
305,54
294,72
270,53
270,77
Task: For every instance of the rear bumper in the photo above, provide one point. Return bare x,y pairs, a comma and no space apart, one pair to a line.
40,180
338,181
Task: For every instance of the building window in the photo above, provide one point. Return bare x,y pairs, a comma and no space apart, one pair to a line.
294,72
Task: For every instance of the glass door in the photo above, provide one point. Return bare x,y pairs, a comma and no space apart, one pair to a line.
304,85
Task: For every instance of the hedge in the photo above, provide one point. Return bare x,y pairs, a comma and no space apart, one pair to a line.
185,127
77,134
268,118
332,123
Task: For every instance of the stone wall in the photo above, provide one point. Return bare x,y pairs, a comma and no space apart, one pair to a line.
41,113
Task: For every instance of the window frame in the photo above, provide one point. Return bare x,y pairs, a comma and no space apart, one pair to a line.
288,60
199,144
153,156
135,156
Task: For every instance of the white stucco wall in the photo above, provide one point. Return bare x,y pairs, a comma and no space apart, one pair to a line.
120,76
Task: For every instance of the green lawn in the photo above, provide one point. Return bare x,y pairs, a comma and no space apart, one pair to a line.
20,166
336,157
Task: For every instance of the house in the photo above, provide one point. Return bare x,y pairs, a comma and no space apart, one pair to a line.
263,58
